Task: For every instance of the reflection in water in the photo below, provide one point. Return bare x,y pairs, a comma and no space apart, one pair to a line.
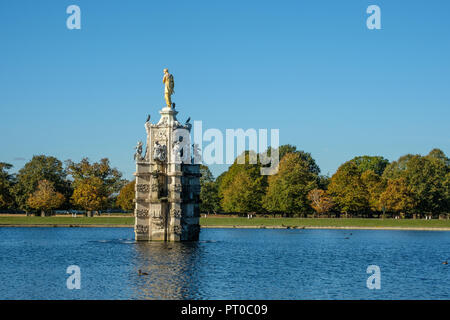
172,270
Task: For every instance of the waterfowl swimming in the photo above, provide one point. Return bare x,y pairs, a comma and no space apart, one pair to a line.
445,262
142,273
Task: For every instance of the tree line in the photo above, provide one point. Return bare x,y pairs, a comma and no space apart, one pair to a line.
46,183
365,186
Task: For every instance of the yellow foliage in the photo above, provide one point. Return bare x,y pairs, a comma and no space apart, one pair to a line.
90,194
45,197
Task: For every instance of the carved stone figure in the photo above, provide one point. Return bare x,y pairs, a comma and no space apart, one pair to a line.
177,151
169,87
197,153
159,152
138,153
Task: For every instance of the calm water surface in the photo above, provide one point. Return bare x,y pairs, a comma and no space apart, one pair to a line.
224,264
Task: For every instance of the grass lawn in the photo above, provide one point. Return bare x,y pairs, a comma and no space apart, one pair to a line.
235,221
66,220
324,222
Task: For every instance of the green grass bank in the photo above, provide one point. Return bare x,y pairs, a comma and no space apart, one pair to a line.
230,222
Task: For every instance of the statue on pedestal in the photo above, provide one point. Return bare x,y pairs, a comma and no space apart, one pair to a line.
169,84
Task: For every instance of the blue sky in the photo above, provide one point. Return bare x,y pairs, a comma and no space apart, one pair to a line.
309,68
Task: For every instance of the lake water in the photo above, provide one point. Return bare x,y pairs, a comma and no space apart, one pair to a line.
224,264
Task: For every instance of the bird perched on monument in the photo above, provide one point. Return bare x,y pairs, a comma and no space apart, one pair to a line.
148,118
189,119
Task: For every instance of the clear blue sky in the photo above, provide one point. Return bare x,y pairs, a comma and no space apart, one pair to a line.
310,68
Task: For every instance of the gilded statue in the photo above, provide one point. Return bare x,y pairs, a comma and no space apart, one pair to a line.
169,84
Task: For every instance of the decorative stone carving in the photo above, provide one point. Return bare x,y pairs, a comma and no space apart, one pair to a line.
177,188
177,230
161,134
143,187
142,213
159,222
141,229
176,213
156,214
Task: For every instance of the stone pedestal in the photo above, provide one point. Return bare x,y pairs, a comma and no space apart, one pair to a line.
167,183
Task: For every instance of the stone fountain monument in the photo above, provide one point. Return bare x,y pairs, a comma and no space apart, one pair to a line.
167,180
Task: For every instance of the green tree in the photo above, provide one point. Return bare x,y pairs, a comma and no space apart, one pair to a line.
347,189
439,155
247,174
45,198
39,168
244,194
287,149
288,189
395,169
375,163
6,183
323,182
209,192
126,197
425,178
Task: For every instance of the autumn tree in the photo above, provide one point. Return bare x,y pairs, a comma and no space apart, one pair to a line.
110,177
90,194
99,178
288,190
6,183
126,197
320,201
397,197
45,198
40,168
347,189
375,185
